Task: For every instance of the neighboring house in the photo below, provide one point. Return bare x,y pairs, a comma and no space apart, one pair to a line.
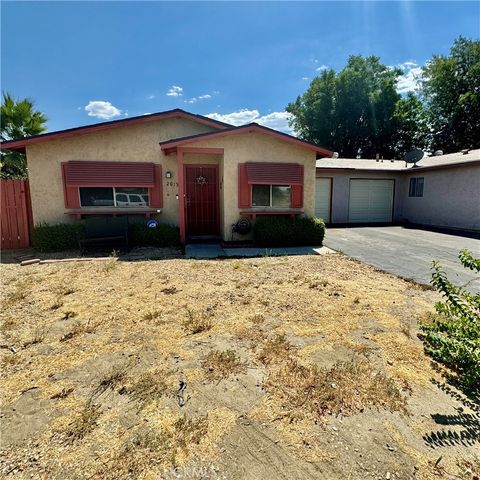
440,191
184,169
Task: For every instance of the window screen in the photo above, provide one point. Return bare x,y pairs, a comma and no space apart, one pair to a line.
415,188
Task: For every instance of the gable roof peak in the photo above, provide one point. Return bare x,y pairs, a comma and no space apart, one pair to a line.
20,144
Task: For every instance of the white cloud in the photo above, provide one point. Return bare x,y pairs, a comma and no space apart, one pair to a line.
175,91
150,97
241,117
102,109
276,120
412,75
196,99
321,68
407,64
305,78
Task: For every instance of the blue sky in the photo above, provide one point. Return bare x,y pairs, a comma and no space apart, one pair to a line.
88,62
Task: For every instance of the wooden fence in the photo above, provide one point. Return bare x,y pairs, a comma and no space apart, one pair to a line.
15,212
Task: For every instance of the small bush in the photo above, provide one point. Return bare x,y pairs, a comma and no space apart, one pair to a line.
309,231
163,235
111,378
275,350
220,365
83,423
452,338
56,238
150,386
65,236
278,231
197,322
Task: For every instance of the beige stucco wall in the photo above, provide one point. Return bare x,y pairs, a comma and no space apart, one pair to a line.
141,143
451,198
256,147
134,143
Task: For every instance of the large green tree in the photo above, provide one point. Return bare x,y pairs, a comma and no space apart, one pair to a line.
352,111
18,119
451,90
411,125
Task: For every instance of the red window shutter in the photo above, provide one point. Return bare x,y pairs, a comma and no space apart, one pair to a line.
71,194
156,192
244,197
297,196
272,173
297,192
109,174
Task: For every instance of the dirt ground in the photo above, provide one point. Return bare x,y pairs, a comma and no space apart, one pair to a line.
290,368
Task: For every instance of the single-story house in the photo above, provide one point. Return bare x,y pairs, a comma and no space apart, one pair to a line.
439,191
184,169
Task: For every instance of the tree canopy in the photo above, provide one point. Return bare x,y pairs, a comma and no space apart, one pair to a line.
352,111
451,91
359,110
18,119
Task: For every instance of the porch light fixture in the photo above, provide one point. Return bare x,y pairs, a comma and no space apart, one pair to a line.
168,174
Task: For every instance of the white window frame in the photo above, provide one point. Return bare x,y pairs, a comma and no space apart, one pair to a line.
114,198
271,196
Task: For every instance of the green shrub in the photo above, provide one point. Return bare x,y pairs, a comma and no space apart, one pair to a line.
273,231
309,230
282,231
453,337
56,238
163,235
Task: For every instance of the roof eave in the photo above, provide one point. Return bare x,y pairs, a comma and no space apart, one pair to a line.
21,144
170,146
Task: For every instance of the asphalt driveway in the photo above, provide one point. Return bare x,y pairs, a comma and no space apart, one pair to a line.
406,252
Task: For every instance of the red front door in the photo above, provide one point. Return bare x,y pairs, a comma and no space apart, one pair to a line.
201,200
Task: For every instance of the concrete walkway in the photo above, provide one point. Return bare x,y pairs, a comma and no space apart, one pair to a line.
406,252
207,251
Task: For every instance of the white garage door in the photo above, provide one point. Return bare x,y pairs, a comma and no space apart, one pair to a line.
370,201
323,194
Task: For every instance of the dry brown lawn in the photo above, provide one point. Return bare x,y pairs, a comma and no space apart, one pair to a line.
295,367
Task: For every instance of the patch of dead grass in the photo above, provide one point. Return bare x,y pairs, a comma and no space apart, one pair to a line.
406,359
220,365
150,386
112,378
58,303
37,336
79,329
266,298
18,293
152,316
82,423
156,449
274,350
197,322
346,388
8,324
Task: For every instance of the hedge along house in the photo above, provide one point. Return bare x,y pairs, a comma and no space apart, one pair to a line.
440,191
183,169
